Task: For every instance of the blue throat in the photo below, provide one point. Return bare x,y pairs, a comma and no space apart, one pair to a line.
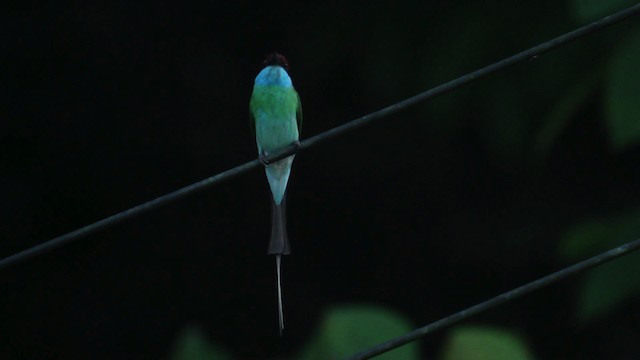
273,76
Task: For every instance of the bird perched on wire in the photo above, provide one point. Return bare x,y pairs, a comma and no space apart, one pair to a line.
276,115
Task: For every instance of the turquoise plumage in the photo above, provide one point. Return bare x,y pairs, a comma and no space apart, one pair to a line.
276,117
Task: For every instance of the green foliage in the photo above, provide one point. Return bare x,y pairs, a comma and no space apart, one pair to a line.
610,285
599,234
623,93
562,113
344,330
620,77
484,343
193,345
348,329
589,10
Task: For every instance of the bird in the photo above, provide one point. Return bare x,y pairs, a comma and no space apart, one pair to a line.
276,118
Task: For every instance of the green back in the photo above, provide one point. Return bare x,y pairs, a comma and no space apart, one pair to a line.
274,103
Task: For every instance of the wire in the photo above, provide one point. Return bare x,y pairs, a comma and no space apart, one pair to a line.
126,214
502,298
312,141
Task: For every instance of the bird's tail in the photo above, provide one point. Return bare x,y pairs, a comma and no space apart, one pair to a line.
278,177
280,307
278,246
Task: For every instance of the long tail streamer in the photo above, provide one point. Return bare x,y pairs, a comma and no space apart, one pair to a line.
280,309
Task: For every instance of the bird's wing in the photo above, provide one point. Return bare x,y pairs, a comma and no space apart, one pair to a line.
252,118
299,114
252,123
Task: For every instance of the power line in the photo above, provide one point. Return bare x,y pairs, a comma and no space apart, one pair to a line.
126,214
312,141
502,298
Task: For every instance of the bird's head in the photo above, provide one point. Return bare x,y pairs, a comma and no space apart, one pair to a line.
274,72
275,59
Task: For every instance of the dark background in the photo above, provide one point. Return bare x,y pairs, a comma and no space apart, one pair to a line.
428,211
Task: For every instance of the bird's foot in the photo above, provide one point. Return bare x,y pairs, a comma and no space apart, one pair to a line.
262,157
296,144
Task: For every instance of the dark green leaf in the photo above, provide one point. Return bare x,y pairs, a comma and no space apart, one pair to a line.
350,329
608,286
589,10
599,234
193,345
605,287
623,94
484,343
562,113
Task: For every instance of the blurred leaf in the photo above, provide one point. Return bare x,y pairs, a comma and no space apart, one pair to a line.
588,10
507,126
446,55
623,93
562,114
597,235
192,344
346,330
606,287
484,343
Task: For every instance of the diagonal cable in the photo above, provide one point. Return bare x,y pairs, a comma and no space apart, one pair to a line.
312,141
500,299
